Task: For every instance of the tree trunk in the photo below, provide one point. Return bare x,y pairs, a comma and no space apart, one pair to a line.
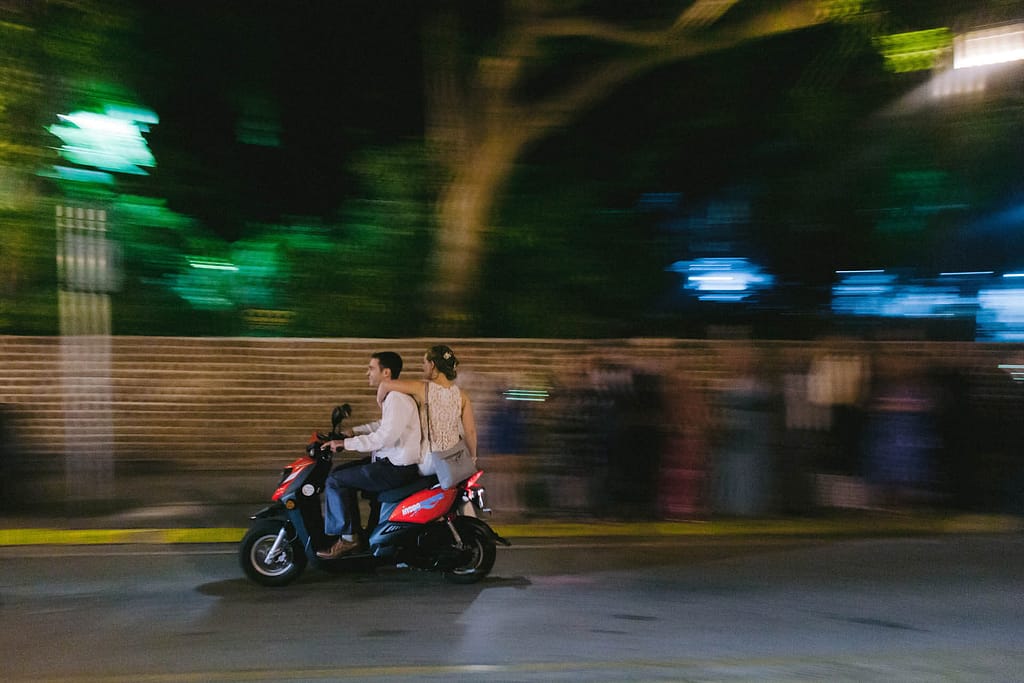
463,213
479,128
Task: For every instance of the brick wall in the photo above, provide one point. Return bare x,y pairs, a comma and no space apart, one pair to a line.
248,404
208,402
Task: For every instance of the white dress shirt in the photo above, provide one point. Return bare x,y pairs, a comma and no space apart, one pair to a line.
395,437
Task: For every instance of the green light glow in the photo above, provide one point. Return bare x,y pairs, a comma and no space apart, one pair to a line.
207,284
80,175
525,395
210,265
111,141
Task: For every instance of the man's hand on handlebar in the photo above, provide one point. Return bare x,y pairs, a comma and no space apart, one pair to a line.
338,442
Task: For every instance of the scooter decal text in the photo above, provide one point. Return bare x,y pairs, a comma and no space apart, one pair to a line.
428,504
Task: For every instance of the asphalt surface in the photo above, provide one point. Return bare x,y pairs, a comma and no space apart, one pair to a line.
881,609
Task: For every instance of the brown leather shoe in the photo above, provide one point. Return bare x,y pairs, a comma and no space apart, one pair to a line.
338,549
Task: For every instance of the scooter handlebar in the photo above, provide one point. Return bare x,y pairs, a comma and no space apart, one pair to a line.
319,448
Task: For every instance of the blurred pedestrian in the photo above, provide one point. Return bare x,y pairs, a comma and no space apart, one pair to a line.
839,379
742,467
902,434
805,439
683,465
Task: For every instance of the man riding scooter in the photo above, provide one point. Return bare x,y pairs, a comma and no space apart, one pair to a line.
394,447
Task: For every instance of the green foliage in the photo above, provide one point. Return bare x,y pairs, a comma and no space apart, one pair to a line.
28,296
21,103
916,50
368,280
561,265
844,10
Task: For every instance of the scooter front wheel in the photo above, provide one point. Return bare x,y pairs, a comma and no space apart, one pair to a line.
265,565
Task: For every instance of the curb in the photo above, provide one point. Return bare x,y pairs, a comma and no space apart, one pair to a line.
868,526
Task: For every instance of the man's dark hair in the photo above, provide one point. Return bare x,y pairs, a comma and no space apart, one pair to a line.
390,360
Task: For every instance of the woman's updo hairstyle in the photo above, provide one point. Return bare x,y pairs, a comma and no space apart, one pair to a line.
444,360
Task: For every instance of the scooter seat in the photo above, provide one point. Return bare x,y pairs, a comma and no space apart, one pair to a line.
395,495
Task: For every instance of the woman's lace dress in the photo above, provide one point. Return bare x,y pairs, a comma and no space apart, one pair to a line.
445,416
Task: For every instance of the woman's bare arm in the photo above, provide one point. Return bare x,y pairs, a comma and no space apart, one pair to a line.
414,387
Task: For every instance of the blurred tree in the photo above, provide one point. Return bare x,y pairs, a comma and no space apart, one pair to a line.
874,171
27,296
367,281
287,130
55,56
501,76
264,105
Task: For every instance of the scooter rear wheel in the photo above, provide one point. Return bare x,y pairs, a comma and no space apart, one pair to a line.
253,554
480,553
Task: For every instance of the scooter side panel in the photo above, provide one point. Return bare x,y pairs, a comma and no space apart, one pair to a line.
388,537
295,477
423,506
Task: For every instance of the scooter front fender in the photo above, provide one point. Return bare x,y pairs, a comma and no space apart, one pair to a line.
485,528
293,517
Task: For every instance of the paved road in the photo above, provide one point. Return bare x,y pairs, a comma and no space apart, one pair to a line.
908,609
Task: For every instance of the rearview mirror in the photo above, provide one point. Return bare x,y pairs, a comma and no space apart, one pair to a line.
338,414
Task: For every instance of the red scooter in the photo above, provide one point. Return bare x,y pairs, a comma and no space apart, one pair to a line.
421,525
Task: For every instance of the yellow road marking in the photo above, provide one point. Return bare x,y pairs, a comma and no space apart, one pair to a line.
924,524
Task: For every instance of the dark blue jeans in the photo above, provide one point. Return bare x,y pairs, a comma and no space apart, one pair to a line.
341,494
